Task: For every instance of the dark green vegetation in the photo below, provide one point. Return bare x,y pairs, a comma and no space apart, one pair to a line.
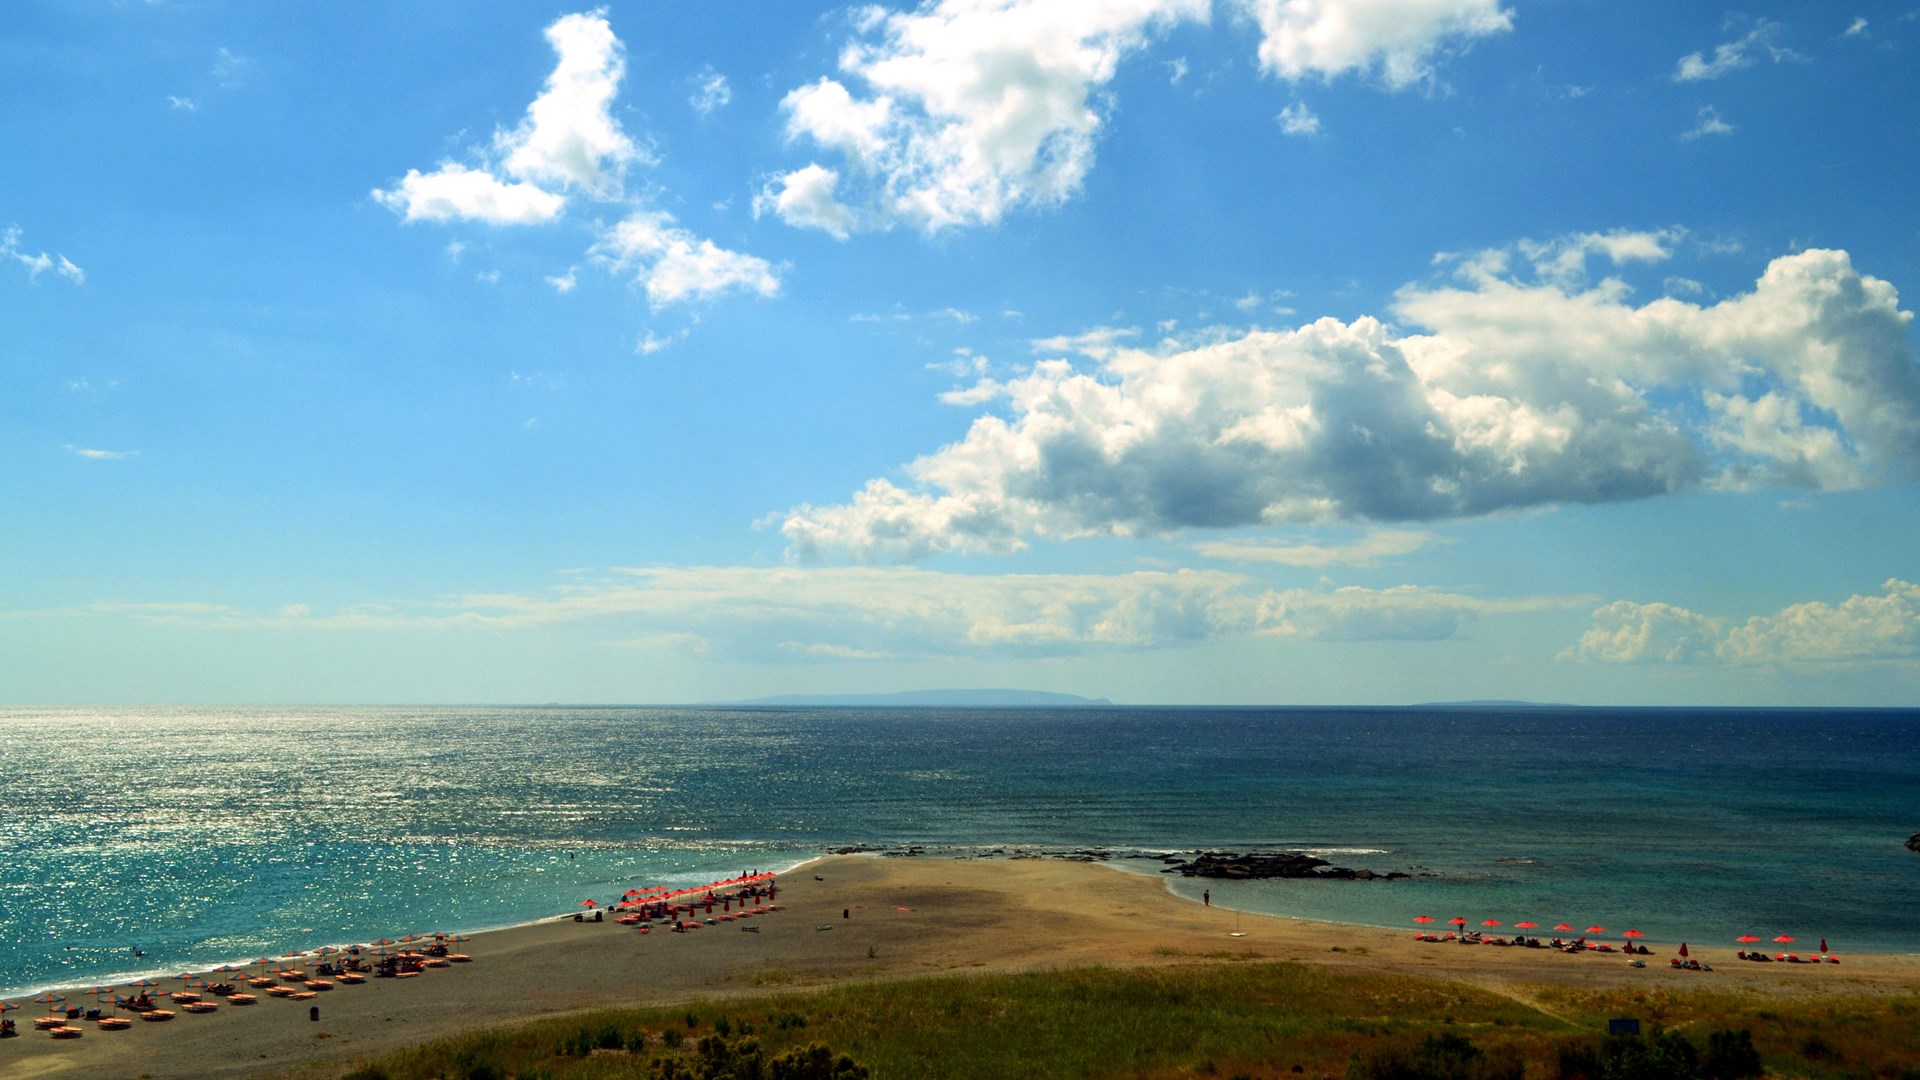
1225,1020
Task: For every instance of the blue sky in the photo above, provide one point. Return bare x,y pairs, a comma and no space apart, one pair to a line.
1171,351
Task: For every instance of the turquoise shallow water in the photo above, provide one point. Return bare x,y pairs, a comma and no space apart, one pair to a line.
207,835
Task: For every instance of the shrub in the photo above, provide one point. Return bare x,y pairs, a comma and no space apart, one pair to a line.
1662,1055
1444,1057
816,1062
1730,1056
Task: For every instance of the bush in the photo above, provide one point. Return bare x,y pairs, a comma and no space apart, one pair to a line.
1730,1056
717,1058
1445,1057
1662,1055
816,1062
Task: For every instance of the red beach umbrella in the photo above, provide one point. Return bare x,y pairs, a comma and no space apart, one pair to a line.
1746,938
1683,948
1489,922
1423,918
589,903
1457,921
1596,929
1563,926
1784,937
1526,926
1823,944
1632,933
7,1006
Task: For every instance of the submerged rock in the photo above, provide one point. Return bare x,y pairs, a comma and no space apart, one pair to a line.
1913,843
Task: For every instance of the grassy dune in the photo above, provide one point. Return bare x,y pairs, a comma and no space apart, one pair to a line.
1213,1017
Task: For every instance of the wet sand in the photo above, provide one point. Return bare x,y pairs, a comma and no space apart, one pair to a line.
919,916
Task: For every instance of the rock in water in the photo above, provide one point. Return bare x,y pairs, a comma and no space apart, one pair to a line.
1286,864
1913,843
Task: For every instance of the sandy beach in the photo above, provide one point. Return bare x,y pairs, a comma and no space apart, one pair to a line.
852,918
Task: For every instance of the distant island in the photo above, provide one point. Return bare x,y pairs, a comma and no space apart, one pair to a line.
1491,703
930,699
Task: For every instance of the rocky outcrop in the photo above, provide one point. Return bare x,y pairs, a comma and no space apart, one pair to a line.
1913,843
1281,864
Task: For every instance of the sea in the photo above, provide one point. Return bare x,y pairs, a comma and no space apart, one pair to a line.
150,841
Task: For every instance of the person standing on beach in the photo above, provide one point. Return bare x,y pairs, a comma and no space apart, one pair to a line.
1206,897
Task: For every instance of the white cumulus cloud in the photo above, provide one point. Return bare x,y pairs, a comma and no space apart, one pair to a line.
1861,629
1526,387
968,109
1400,39
805,198
454,192
567,142
674,265
1297,119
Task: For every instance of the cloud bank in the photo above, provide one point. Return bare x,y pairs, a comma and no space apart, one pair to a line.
1530,387
1859,630
784,613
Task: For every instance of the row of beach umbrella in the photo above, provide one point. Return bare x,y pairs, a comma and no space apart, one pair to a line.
1462,923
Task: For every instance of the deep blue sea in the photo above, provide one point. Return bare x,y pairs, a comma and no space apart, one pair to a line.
201,835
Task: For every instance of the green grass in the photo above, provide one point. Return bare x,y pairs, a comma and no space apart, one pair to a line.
1228,1019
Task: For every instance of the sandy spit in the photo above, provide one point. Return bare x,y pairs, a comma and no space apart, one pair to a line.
918,916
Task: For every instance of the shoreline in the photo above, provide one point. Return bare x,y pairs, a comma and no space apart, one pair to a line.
860,918
1121,863
279,952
